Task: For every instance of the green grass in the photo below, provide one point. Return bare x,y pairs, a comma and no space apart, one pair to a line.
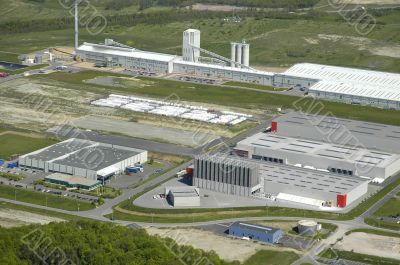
9,57
382,224
11,176
25,69
254,86
155,164
271,257
391,207
375,232
11,144
368,259
39,198
105,192
226,96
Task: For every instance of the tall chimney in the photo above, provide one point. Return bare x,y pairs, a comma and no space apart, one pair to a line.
76,24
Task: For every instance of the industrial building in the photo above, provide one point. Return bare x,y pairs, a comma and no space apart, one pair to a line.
73,182
352,133
255,232
83,158
347,85
185,196
114,54
264,178
227,175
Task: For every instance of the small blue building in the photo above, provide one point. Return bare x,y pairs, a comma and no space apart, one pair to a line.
255,232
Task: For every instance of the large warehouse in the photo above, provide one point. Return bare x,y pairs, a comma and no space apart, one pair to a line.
348,85
285,182
83,158
324,156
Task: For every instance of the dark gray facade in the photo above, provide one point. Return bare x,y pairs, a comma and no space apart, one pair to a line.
227,175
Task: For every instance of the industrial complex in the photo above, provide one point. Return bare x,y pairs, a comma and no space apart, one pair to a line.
83,158
295,161
347,85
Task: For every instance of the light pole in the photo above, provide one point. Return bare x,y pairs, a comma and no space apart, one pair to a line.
15,194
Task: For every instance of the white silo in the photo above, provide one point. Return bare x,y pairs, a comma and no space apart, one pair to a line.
233,54
307,227
239,53
245,54
191,38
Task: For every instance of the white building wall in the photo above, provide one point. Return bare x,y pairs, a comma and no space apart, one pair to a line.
356,193
193,201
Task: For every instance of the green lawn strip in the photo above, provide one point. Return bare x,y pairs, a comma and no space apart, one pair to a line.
9,58
348,255
250,85
10,176
382,224
206,214
373,231
226,96
391,207
39,198
68,217
105,192
11,144
272,257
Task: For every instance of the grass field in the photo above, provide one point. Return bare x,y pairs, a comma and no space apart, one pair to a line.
382,224
11,144
372,231
254,86
272,258
225,96
40,198
368,259
392,207
274,42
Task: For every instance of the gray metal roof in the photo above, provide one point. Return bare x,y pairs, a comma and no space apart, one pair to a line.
340,131
255,227
83,154
309,179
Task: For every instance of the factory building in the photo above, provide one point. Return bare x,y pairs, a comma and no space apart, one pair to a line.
274,179
83,158
226,175
325,157
347,85
255,232
352,133
114,54
72,182
183,196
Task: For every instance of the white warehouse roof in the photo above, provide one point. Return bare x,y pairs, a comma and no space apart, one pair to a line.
343,74
125,52
349,81
350,89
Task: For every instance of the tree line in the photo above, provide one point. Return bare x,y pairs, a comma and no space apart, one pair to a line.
90,242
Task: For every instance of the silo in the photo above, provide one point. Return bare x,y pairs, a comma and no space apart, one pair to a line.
307,227
246,54
233,54
239,53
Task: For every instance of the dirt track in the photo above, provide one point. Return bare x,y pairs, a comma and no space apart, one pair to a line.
14,218
371,244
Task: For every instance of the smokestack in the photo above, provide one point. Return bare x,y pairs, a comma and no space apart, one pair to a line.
76,24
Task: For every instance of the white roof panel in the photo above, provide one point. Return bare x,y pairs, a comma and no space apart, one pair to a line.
349,81
126,52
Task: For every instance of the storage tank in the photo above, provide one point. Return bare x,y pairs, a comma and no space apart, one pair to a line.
1,162
239,53
307,227
233,54
245,54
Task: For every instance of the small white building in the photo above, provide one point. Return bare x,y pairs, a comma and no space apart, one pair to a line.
183,196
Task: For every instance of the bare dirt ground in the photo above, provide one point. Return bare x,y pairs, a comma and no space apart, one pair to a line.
14,218
227,248
144,131
371,244
361,43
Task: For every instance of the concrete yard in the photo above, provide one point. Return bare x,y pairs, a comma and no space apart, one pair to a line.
145,131
371,244
14,218
227,248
